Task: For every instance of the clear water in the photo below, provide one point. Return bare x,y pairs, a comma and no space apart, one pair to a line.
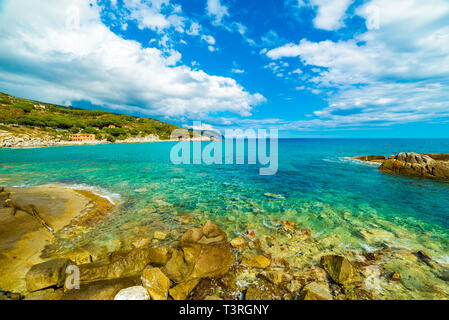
322,189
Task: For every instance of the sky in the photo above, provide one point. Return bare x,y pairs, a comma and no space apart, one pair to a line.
310,68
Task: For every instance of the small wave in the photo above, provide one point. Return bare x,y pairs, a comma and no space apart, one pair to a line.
113,198
359,162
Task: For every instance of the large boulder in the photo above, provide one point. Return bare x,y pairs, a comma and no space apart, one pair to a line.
101,290
340,269
47,274
414,164
123,264
206,254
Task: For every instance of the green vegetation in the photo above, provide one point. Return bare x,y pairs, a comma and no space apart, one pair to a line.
68,120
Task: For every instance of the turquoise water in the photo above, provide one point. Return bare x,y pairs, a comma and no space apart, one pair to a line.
321,188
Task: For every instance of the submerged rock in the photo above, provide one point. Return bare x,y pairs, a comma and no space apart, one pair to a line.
156,282
340,269
182,290
260,262
274,196
239,243
264,290
133,293
47,274
274,276
288,226
159,235
395,276
316,291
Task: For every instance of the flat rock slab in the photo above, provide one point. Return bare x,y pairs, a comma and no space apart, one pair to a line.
23,236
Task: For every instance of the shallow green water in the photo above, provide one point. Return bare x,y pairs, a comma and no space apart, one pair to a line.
321,188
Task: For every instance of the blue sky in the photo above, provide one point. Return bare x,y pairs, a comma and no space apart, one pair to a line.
311,68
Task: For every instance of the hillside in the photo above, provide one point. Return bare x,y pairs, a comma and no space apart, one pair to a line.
44,122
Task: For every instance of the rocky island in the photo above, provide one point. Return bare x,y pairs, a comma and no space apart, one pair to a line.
430,165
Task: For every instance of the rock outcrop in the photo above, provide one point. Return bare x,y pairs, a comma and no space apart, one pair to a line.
432,165
47,274
29,217
414,164
206,252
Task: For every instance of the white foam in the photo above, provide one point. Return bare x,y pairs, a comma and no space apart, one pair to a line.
113,198
359,162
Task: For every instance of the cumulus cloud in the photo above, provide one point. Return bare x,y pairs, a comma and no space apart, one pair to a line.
330,14
216,10
61,51
149,14
391,74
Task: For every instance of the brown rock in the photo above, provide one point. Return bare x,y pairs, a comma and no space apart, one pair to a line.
414,164
427,260
160,235
264,290
47,274
206,252
294,286
101,290
316,291
274,276
120,264
158,256
141,242
156,282
176,268
288,226
182,290
260,262
371,256
395,276
340,269
47,294
239,243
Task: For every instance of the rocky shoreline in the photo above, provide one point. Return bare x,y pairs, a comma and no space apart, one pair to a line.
30,219
430,165
203,264
25,141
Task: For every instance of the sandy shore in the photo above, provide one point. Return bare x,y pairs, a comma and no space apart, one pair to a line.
24,236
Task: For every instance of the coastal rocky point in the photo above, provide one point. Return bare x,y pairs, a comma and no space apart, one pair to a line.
430,165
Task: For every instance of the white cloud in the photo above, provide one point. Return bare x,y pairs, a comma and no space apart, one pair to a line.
216,10
397,73
239,71
194,30
330,13
209,39
148,14
59,51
